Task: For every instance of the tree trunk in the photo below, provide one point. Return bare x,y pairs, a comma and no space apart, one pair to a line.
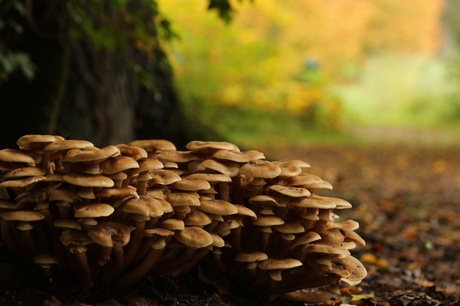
84,92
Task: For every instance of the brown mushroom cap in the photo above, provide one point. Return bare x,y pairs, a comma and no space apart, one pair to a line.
239,157
132,151
210,177
118,164
110,234
68,144
191,185
260,169
153,145
94,210
351,269
250,257
23,215
144,205
183,199
178,156
229,169
19,156
315,201
276,264
88,180
218,207
194,237
21,183
290,191
85,156
24,172
268,220
211,146
36,141
197,218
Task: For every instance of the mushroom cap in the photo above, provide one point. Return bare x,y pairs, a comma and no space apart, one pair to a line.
250,257
239,157
229,168
95,156
245,211
153,145
197,218
218,207
328,249
45,259
88,180
194,237
191,185
65,195
279,264
24,172
67,224
94,210
144,205
19,156
210,177
74,237
211,146
183,199
118,164
301,180
268,220
164,177
260,169
306,238
122,192
21,183
110,234
290,228
290,191
23,215
147,164
36,141
350,268
68,144
132,151
178,156
172,224
315,201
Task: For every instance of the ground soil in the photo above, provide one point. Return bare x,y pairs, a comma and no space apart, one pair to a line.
406,199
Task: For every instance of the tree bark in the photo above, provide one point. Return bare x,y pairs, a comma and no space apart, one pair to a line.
85,92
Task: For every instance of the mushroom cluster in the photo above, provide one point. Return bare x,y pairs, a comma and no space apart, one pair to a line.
115,214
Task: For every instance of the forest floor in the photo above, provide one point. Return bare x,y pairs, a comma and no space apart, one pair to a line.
406,199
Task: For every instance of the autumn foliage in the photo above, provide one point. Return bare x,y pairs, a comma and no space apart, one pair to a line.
261,57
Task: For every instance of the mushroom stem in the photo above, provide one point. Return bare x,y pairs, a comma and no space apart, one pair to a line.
142,269
113,269
82,266
8,241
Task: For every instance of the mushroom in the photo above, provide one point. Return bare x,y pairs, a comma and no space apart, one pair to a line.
24,219
76,243
87,182
195,240
111,237
45,261
159,239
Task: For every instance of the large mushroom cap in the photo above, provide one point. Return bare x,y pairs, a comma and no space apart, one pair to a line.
67,144
19,156
23,215
153,145
36,141
110,234
194,237
88,180
260,169
94,210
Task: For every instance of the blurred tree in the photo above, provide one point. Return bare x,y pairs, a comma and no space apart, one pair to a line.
93,70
